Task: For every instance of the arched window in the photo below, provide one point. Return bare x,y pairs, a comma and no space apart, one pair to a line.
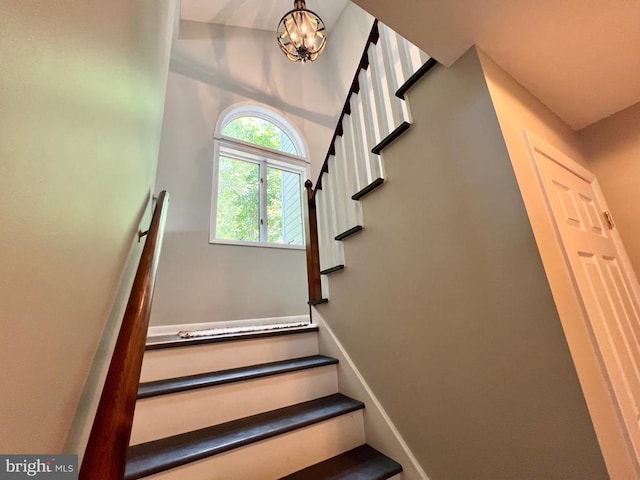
258,174
261,132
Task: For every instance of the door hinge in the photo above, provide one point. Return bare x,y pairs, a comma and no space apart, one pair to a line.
609,219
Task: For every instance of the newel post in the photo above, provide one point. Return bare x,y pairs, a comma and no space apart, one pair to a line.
313,253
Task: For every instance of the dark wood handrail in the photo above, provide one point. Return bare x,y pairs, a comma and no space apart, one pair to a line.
313,251
106,453
373,38
313,256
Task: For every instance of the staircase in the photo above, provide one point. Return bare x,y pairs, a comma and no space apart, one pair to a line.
248,406
375,114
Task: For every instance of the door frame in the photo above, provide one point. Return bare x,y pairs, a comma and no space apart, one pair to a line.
609,426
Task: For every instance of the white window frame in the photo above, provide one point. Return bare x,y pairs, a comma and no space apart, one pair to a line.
265,157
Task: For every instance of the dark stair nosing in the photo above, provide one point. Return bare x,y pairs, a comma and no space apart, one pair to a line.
386,141
222,377
318,302
361,463
413,79
160,455
369,188
337,268
348,233
173,341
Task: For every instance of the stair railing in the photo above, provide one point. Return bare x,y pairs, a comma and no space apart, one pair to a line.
374,115
106,453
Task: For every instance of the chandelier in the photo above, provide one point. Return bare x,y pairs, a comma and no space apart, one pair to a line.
301,34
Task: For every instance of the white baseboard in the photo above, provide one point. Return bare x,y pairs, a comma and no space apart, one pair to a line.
156,330
380,431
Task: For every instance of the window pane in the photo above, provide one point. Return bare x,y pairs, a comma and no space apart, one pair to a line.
238,212
284,207
260,132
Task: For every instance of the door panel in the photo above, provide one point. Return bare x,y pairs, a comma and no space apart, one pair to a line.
605,284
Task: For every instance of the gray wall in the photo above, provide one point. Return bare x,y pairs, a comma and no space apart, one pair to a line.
446,309
81,94
198,282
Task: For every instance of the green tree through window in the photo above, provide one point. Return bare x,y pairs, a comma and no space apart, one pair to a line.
258,200
260,132
238,216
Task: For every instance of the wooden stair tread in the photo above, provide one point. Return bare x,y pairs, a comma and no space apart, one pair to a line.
159,455
390,138
318,302
211,379
346,234
330,270
361,463
172,341
413,79
369,188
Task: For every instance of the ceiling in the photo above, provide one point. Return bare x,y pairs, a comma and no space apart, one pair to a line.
579,57
258,14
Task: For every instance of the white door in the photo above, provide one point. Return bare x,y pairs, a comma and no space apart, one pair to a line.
604,279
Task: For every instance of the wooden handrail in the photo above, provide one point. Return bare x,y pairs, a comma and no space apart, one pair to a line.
106,453
313,255
374,35
313,251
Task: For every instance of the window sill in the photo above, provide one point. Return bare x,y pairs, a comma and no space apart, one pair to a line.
241,243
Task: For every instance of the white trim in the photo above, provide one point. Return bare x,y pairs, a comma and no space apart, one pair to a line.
380,431
246,243
235,143
156,330
536,144
214,192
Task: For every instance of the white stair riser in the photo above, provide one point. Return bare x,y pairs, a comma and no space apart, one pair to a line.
180,361
167,415
278,456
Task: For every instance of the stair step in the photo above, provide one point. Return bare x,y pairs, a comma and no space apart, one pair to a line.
191,382
330,270
362,463
389,139
369,188
194,356
413,79
348,233
159,455
284,383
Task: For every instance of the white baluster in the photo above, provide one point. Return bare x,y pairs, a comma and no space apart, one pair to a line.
344,171
369,124
411,57
392,67
335,248
359,143
389,41
337,192
404,56
323,247
380,88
